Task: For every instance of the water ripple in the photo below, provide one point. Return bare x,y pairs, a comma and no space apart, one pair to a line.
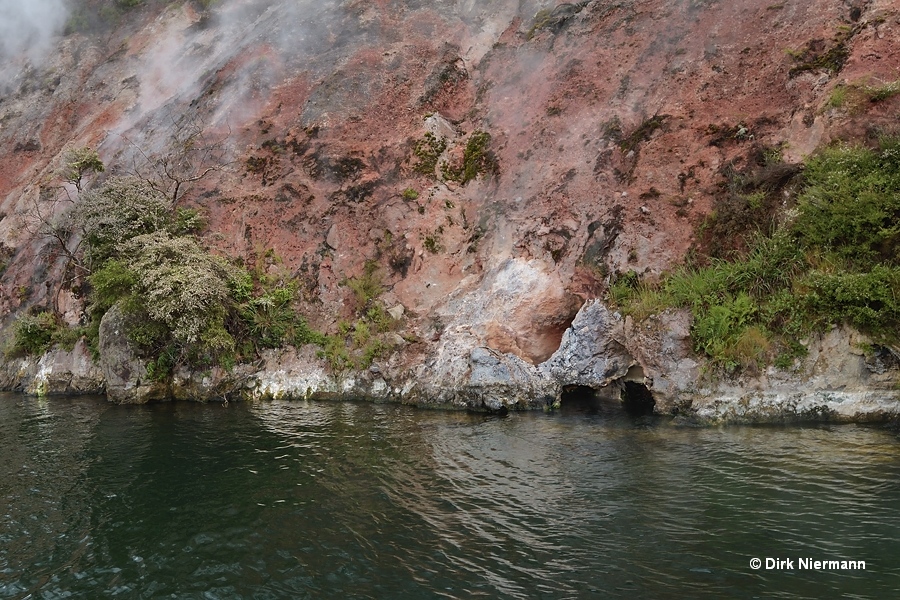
318,500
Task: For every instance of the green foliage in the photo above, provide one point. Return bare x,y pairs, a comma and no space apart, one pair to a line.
180,284
748,205
161,367
187,221
718,328
367,286
851,206
358,343
819,55
94,16
868,301
855,96
35,334
186,306
543,18
623,292
836,261
112,282
124,208
411,194
79,162
428,150
432,243
838,97
882,92
477,160
642,133
272,322
379,318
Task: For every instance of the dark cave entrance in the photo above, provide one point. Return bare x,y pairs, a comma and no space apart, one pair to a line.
579,398
637,400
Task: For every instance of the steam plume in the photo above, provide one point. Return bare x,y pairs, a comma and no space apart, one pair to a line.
28,26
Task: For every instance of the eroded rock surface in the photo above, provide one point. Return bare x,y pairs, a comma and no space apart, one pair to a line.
124,372
612,128
57,372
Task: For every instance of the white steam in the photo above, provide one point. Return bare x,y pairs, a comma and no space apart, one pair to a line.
29,26
27,32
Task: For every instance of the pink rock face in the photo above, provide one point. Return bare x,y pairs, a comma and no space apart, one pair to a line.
611,125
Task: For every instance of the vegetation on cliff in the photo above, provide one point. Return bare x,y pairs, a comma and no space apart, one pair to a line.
832,257
185,306
130,245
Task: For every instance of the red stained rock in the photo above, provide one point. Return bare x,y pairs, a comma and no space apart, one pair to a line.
616,108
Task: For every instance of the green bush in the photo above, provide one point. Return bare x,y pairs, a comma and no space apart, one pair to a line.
428,150
79,162
33,334
187,221
186,306
478,159
367,286
123,208
837,260
271,321
868,301
851,205
180,284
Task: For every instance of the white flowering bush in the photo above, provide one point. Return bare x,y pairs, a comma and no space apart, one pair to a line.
185,305
123,208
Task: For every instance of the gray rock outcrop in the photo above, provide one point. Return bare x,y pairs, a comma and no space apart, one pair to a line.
590,353
59,371
124,371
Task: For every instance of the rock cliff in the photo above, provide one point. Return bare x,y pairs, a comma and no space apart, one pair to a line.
497,162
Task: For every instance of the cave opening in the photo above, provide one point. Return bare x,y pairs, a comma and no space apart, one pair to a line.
579,398
637,400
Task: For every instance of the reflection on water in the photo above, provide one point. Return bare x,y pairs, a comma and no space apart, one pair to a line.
319,500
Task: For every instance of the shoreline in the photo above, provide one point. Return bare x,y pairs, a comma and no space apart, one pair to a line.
603,358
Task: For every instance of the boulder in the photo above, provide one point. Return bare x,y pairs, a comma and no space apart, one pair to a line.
499,381
124,370
589,355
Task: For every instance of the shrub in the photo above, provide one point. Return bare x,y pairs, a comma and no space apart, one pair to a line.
868,301
79,162
837,260
124,208
33,334
851,205
879,93
428,150
182,286
272,322
367,286
187,221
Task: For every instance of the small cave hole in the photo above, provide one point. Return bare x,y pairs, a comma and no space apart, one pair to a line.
637,400
579,398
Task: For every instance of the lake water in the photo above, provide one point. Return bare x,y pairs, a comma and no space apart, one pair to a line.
345,500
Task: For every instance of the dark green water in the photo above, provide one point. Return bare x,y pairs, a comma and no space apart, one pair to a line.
297,500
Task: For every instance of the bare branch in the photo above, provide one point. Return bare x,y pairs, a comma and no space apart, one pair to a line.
186,159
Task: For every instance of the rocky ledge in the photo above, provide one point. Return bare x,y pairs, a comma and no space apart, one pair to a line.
603,359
